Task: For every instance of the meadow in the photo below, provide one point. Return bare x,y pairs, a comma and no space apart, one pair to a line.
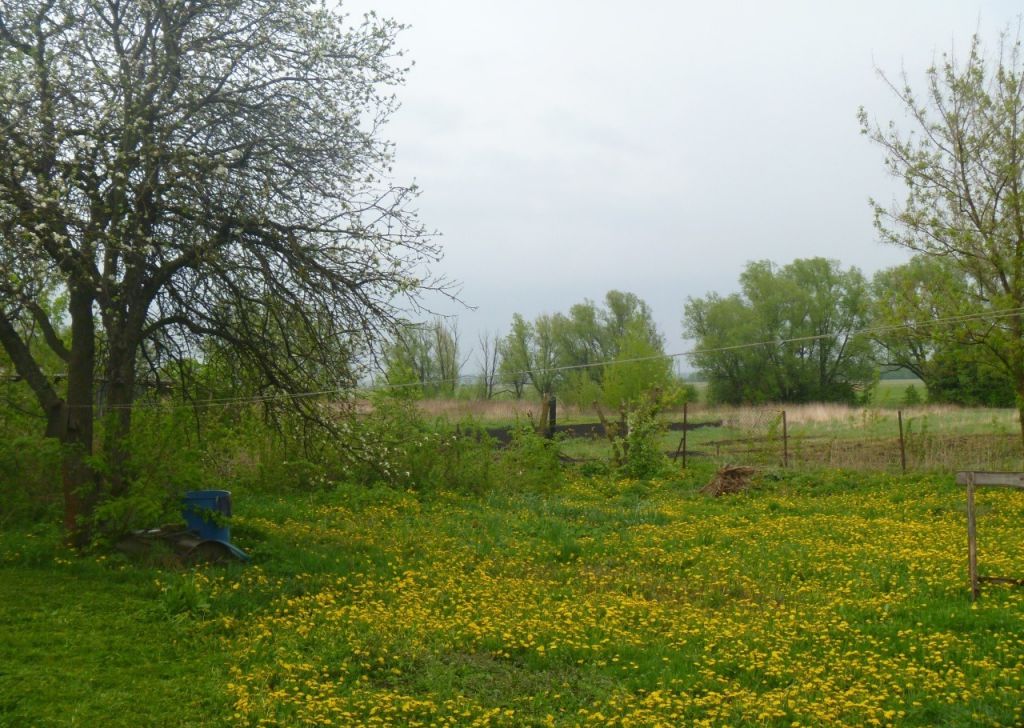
863,437
817,598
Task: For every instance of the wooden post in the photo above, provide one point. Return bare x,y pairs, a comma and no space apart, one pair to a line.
903,446
972,538
785,441
684,433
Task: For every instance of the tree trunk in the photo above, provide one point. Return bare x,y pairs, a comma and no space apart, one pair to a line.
76,431
120,393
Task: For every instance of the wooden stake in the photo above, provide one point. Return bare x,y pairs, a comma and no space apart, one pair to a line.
684,434
903,446
785,441
972,539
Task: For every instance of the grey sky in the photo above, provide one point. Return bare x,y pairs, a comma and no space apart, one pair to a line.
568,147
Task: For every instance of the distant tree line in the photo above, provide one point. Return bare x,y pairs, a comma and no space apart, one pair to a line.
610,354
787,336
811,331
807,331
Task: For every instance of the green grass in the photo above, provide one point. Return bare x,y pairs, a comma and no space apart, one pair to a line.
895,392
821,598
85,643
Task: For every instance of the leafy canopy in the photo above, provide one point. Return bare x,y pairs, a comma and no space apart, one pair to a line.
962,163
788,337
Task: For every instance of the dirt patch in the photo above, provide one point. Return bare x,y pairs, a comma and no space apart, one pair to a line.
730,479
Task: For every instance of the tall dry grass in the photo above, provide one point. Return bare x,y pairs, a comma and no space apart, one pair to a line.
495,410
748,417
943,416
937,437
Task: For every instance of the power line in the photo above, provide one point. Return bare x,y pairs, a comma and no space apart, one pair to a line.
286,396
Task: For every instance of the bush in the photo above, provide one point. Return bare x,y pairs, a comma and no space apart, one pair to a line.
164,461
531,463
911,396
394,445
635,437
278,475
642,457
30,480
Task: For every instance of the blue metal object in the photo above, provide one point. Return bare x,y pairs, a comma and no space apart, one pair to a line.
204,512
232,549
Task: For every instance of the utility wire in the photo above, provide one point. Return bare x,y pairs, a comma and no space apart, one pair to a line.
873,330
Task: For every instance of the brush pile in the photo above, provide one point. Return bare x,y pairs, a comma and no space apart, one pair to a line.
730,479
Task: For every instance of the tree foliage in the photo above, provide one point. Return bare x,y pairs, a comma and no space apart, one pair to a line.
194,171
529,356
911,305
423,360
787,337
962,163
573,353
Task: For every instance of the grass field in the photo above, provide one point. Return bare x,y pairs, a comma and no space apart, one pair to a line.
937,438
825,598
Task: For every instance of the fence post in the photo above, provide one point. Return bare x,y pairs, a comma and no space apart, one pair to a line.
684,434
972,538
785,441
903,446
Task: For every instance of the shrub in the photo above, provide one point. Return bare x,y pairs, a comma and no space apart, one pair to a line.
396,446
635,437
642,457
530,463
164,461
911,396
30,479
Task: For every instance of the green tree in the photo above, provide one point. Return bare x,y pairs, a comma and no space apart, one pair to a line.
962,163
192,171
639,368
490,365
581,342
516,355
409,364
626,315
906,301
789,336
427,356
723,327
530,356
565,353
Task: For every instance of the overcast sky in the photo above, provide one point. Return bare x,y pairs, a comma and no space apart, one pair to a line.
568,147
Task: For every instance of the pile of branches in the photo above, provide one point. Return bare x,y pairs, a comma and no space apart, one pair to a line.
730,479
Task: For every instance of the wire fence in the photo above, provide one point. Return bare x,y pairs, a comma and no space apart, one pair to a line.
929,438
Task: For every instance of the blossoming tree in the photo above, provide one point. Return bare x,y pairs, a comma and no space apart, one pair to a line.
186,171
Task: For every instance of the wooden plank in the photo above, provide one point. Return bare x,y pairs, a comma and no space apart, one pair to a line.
1002,580
996,480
